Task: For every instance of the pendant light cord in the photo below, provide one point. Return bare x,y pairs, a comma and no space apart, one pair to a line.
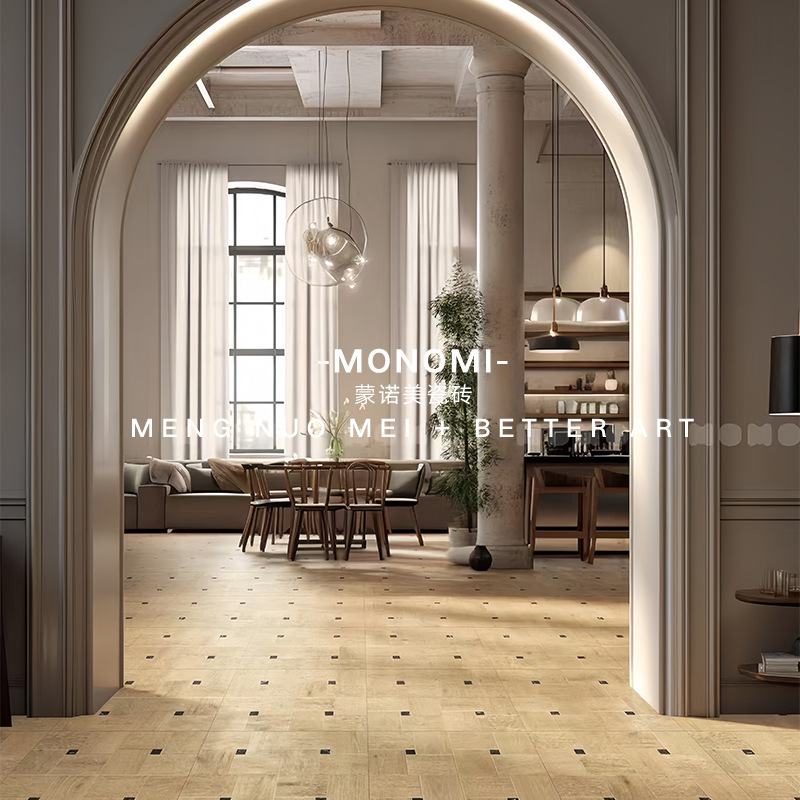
605,287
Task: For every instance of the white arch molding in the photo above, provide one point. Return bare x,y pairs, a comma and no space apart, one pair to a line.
601,83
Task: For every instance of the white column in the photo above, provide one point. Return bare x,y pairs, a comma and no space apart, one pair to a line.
500,73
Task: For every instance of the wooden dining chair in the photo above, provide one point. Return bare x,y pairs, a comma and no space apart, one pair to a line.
308,486
268,499
404,490
365,487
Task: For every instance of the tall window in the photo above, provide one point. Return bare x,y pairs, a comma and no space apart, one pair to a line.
256,228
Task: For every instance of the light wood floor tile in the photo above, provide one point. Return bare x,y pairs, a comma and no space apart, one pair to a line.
254,678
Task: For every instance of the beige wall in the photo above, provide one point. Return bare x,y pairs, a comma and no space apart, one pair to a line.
760,297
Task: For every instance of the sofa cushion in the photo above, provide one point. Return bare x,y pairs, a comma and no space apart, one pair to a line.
202,479
170,473
229,475
133,476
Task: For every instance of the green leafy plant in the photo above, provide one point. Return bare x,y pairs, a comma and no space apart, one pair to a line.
459,313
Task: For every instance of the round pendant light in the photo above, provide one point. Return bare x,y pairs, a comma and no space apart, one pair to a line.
603,308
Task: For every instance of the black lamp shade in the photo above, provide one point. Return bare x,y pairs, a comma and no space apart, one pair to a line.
784,375
554,344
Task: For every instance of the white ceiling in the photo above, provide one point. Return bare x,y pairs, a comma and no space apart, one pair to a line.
385,65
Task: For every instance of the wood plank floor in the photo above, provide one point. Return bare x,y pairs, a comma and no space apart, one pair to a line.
252,678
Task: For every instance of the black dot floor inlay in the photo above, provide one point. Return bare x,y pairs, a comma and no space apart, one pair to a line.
241,751
748,752
178,714
325,752
156,751
254,713
663,751
72,752
494,752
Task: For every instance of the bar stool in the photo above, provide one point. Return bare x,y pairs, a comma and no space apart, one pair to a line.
546,482
607,482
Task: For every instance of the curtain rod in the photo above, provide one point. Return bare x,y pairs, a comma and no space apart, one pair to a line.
458,163
161,163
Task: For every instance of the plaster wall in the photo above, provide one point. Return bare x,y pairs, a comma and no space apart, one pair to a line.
760,298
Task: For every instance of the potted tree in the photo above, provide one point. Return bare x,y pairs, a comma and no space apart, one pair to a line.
459,313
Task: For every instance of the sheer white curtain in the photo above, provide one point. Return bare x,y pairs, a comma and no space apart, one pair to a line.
194,306
424,246
311,321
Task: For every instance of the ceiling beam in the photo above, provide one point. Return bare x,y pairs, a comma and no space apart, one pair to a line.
397,28
325,75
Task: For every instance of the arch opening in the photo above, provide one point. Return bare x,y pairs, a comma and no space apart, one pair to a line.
602,87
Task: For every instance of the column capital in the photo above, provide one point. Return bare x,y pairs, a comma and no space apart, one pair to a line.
490,60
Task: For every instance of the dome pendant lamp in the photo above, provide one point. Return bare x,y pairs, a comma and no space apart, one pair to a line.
561,308
603,308
784,375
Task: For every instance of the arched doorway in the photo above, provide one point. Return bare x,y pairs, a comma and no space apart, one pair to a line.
579,60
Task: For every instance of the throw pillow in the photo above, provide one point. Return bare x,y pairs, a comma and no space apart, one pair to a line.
171,473
202,479
229,475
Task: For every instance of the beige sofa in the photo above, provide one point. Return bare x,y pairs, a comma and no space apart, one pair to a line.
153,507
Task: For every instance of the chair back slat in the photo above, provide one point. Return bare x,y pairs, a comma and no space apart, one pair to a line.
366,483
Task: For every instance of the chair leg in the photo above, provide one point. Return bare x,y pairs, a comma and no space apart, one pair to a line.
246,529
294,535
349,532
415,520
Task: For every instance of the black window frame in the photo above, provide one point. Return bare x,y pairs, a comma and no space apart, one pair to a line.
235,250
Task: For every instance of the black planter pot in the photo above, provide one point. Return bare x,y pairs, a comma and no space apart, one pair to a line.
480,559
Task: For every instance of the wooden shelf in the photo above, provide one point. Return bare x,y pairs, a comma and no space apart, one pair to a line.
755,596
531,364
751,670
574,392
544,415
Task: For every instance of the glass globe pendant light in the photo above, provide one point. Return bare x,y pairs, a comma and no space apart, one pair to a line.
555,307
603,308
332,232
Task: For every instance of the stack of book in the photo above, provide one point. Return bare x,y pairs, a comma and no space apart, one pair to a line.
779,664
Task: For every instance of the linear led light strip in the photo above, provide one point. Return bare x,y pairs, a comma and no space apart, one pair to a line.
204,92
